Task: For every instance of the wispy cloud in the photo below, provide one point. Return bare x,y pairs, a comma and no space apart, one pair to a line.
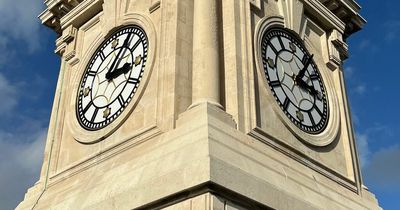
349,71
357,85
360,89
8,92
22,145
19,29
20,164
392,30
363,149
365,44
19,23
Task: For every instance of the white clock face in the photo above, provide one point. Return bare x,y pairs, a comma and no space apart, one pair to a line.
111,78
294,80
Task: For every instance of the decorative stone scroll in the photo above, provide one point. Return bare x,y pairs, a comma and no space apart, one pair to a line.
338,50
66,45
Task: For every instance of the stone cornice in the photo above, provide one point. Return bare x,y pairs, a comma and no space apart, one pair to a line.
348,12
56,9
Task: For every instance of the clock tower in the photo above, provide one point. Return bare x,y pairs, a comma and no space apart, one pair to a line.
201,104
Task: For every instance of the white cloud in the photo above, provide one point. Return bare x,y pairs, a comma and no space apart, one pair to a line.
376,131
381,167
383,171
363,149
20,164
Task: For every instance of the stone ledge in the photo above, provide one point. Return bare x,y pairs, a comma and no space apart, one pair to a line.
203,154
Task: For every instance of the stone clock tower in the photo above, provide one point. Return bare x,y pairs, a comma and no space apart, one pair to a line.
201,104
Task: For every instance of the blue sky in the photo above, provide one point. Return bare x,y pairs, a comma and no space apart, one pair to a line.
29,70
372,78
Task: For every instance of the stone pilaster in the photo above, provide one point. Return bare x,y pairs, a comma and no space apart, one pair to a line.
206,53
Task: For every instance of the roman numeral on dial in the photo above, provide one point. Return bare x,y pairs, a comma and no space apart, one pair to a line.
133,80
281,43
311,118
102,56
273,48
136,45
87,107
92,73
314,77
319,111
286,103
121,100
304,59
275,83
94,114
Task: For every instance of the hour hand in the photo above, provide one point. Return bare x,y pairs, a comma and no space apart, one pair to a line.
123,70
310,88
117,58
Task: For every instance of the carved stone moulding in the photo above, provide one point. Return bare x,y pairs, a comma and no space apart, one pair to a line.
348,12
56,9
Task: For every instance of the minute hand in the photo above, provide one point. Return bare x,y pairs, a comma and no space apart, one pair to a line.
303,71
126,42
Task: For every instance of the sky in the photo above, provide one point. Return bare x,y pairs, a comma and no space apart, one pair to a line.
29,70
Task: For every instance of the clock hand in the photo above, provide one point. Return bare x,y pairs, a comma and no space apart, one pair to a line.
310,88
123,70
126,43
303,71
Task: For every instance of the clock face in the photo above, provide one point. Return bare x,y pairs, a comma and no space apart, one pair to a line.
111,78
294,80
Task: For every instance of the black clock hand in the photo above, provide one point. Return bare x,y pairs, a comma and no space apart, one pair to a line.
304,85
123,70
303,71
126,43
